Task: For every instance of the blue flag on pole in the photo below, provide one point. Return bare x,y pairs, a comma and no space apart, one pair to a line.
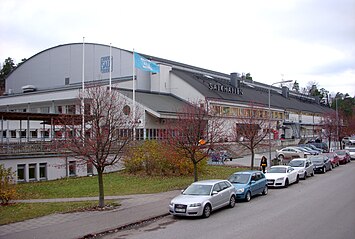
145,64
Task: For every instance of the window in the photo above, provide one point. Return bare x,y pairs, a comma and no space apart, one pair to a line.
66,80
33,110
13,133
4,134
223,185
72,168
126,110
87,109
216,187
89,168
45,110
34,134
43,171
21,176
140,134
32,172
45,134
60,109
217,110
226,110
234,111
23,133
70,109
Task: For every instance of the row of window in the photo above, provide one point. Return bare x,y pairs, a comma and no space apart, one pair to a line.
60,109
246,112
261,113
72,169
31,172
22,134
39,171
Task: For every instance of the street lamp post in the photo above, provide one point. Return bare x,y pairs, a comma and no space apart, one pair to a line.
287,81
337,122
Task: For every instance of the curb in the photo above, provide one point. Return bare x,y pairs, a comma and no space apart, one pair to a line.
126,226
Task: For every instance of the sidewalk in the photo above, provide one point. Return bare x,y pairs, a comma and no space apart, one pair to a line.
246,160
134,208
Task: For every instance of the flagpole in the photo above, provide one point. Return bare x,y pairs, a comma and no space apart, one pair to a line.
110,67
82,93
134,96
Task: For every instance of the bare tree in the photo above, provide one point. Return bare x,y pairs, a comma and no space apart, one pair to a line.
107,132
194,133
330,122
251,130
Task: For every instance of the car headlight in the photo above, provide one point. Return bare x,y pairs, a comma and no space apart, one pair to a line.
171,204
240,190
280,179
301,170
195,205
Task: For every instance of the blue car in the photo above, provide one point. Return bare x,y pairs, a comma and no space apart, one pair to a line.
248,184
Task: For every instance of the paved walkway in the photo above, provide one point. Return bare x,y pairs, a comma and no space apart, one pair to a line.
134,208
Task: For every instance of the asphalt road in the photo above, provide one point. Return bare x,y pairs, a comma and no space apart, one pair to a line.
320,207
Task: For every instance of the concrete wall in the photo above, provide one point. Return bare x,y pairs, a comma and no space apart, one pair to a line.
56,167
182,89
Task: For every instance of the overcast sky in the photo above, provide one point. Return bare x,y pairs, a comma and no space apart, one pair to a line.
302,40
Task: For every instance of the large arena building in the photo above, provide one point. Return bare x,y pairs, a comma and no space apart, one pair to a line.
49,83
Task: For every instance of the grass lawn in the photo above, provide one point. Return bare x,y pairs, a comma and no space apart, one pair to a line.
118,183
23,211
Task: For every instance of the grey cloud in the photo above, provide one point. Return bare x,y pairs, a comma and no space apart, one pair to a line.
320,21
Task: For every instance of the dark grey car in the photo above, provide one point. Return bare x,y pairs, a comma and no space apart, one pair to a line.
321,163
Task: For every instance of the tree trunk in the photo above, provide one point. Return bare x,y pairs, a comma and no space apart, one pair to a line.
101,188
252,159
195,172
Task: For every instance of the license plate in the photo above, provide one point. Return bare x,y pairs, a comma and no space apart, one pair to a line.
179,210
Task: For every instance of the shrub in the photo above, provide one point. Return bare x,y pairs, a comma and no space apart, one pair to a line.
157,158
7,185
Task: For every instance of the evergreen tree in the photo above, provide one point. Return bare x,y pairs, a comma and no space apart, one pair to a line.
6,69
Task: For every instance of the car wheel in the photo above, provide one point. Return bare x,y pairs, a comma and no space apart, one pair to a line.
265,191
232,202
305,176
312,173
207,211
248,196
297,178
286,183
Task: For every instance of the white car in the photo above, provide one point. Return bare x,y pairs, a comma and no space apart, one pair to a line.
281,176
303,166
351,152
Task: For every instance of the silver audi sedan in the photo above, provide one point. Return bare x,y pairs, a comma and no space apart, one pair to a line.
203,197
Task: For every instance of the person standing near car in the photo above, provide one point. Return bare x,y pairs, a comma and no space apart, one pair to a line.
263,163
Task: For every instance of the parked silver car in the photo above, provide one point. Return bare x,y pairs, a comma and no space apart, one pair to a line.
303,166
289,153
203,197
